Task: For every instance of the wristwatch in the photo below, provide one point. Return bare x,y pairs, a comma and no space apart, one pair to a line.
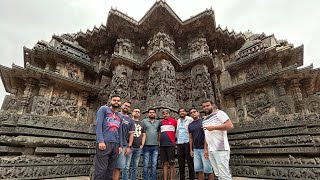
129,146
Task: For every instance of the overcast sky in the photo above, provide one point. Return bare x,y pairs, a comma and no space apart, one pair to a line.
24,22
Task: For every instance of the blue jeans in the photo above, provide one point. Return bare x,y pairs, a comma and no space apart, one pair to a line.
150,153
201,164
134,155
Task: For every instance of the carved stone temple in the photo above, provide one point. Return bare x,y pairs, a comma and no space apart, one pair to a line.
47,122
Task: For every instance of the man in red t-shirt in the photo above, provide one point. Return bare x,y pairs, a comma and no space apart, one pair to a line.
167,130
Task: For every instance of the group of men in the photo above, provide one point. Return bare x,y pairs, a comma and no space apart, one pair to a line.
201,142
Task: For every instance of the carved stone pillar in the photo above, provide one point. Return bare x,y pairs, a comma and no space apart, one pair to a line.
27,93
201,85
295,84
120,81
43,84
161,86
281,87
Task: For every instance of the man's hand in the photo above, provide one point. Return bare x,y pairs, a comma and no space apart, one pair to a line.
209,128
127,151
141,147
191,153
120,150
206,154
102,146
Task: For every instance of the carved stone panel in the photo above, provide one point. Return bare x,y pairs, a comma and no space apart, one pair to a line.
161,41
10,104
162,85
40,105
64,103
198,47
258,103
124,47
285,105
73,71
201,85
120,81
312,103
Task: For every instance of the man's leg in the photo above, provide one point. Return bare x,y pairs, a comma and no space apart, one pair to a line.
112,159
207,168
146,159
189,161
154,161
120,164
165,170
136,153
181,160
198,166
222,160
125,172
101,162
171,159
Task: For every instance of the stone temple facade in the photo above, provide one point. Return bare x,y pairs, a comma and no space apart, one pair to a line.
47,122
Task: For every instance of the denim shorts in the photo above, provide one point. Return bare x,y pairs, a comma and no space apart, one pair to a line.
201,164
122,158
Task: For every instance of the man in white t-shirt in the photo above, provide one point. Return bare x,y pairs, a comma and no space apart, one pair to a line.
215,125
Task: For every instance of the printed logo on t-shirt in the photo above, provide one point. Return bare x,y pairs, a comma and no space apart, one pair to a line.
137,132
113,122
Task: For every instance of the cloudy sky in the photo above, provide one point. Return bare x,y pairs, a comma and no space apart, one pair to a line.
24,22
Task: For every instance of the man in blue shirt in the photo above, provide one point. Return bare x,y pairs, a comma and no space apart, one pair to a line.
183,146
127,127
108,136
197,147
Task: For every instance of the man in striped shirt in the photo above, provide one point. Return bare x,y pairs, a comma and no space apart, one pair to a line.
167,130
215,127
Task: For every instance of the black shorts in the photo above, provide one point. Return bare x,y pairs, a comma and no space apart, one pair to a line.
167,154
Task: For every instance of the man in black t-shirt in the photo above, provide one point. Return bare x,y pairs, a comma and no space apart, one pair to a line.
139,138
196,138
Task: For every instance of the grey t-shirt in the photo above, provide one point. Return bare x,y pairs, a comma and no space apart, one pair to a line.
151,131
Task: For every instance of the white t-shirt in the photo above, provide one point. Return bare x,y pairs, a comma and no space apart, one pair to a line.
217,140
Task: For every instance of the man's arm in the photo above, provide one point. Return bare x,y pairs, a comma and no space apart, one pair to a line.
99,134
227,125
129,143
191,144
143,140
206,154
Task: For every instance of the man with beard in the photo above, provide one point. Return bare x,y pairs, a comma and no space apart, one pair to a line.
167,130
150,149
215,126
127,127
197,146
108,136
183,145
137,145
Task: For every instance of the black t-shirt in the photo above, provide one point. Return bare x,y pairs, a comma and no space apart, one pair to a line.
195,128
137,135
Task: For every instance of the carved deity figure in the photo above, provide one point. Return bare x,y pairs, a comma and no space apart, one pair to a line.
72,71
201,84
120,81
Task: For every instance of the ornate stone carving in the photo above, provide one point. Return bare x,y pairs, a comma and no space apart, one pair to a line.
43,172
312,103
285,105
258,103
120,81
83,114
198,47
40,105
256,71
162,85
124,47
64,103
73,71
10,104
161,41
201,85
